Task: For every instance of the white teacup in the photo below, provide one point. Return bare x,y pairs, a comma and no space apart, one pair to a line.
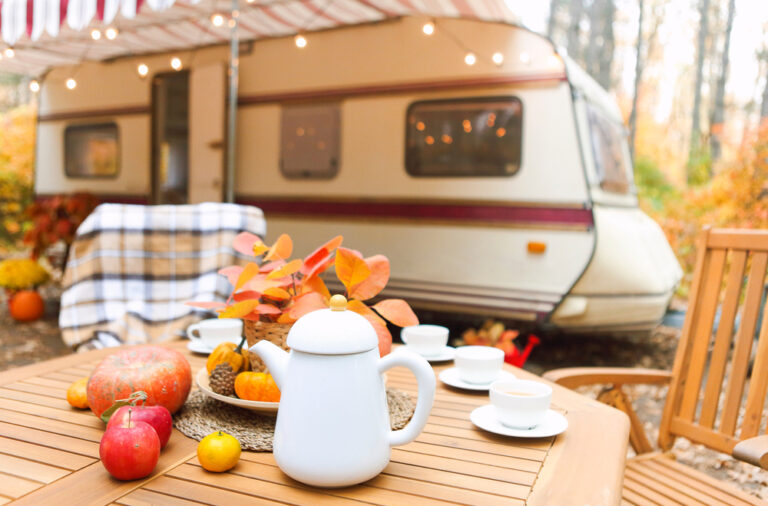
214,331
426,340
520,404
478,365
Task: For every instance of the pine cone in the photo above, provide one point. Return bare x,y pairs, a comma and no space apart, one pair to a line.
222,379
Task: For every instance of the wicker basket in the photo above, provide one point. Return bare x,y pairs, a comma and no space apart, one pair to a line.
276,333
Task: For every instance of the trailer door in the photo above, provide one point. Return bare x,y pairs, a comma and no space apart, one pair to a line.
207,134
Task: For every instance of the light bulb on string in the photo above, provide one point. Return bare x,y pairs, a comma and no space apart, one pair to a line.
111,33
217,20
525,58
428,28
95,34
142,69
470,59
71,83
34,86
497,58
9,53
301,41
176,63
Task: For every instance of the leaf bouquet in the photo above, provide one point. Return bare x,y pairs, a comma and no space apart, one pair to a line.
273,288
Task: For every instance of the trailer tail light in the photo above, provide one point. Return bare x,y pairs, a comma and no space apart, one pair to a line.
537,248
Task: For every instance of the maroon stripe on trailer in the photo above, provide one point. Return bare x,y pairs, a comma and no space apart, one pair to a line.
278,18
482,213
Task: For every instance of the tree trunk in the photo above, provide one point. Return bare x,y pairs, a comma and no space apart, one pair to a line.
700,50
552,22
606,54
574,29
638,77
718,112
590,53
764,106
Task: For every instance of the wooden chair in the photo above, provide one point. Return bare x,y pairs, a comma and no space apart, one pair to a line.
714,397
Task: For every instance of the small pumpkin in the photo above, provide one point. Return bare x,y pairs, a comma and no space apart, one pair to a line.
236,356
26,306
256,386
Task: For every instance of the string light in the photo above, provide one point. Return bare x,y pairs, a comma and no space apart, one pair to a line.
176,63
9,53
525,58
428,28
142,69
71,83
34,86
95,34
497,58
470,59
217,20
111,33
301,41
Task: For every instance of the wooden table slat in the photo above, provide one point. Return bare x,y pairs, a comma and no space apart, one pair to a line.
42,400
204,493
44,454
142,497
54,393
57,441
30,469
13,486
68,415
459,454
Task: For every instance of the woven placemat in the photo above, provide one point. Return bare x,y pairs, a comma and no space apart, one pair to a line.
202,415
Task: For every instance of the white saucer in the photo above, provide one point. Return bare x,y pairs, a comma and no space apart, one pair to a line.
451,377
485,417
445,355
205,387
196,346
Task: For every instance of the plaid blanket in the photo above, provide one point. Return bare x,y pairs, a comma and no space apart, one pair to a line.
131,268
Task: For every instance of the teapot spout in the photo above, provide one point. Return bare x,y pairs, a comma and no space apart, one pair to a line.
276,359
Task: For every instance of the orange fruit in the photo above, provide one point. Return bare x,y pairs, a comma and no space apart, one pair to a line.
218,452
77,394
26,306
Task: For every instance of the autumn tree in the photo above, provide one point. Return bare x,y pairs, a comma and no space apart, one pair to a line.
718,110
695,145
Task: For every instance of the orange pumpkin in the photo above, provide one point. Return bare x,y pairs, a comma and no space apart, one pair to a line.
256,386
26,306
77,394
164,374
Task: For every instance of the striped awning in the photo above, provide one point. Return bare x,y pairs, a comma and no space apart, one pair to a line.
41,34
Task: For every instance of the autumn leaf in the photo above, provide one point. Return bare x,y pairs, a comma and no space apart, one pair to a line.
397,311
351,269
245,295
232,273
306,303
206,304
277,293
244,243
271,266
379,325
285,318
282,248
239,309
248,273
319,260
315,284
262,309
291,267
371,287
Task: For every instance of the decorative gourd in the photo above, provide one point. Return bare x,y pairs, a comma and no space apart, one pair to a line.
164,374
236,356
256,386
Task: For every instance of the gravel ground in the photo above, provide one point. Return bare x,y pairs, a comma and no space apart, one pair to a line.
22,344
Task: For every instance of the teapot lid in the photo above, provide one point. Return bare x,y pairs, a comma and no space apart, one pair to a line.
333,331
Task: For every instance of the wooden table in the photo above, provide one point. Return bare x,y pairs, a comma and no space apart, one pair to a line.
49,454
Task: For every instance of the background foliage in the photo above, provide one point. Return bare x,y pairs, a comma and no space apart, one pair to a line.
17,149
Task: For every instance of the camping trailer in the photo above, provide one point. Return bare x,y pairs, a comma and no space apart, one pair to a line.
497,185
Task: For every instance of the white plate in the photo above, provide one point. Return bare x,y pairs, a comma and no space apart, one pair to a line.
445,355
485,417
196,346
451,377
261,407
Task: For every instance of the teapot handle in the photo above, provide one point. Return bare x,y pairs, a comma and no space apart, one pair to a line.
426,381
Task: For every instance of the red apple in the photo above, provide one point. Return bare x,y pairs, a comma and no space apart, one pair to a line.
129,450
157,416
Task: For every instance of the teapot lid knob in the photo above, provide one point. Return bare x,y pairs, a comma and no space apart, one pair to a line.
338,302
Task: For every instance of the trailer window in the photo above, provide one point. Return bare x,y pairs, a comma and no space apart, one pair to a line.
464,137
309,141
91,150
609,149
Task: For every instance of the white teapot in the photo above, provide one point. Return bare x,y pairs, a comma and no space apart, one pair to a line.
333,423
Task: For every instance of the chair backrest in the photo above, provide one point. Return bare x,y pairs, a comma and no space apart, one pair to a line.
131,268
715,398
